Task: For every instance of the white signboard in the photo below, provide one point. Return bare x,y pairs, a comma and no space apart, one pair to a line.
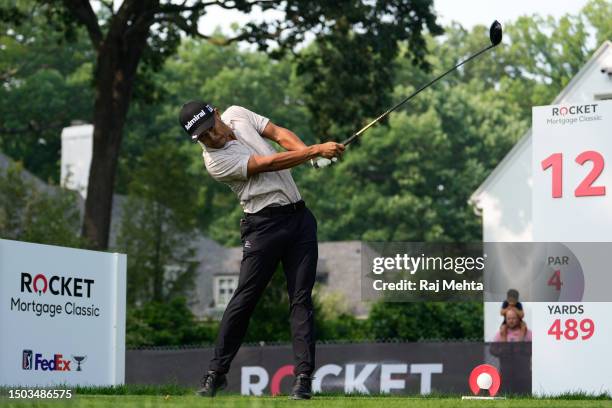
62,314
572,203
572,179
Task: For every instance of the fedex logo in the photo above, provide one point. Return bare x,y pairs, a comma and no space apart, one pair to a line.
56,363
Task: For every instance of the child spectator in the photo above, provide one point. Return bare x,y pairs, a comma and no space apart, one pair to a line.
512,303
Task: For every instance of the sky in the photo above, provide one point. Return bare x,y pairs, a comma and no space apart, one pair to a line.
472,12
466,12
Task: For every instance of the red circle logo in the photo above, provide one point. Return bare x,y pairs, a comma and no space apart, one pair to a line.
485,377
37,278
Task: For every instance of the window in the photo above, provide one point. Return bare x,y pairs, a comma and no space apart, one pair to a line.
224,287
603,97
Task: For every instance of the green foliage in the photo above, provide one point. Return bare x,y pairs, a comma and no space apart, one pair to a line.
598,14
426,320
334,320
342,327
168,323
29,213
403,321
233,77
45,85
270,320
348,72
411,181
424,163
407,179
543,56
157,227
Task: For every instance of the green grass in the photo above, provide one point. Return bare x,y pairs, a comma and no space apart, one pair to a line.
173,396
183,401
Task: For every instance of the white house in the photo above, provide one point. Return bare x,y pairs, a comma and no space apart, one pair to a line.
504,199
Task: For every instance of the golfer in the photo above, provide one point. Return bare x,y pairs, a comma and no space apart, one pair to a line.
276,227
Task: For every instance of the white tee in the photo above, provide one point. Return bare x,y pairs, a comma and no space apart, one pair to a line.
229,163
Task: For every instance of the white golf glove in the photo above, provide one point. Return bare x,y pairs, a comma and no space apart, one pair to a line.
321,162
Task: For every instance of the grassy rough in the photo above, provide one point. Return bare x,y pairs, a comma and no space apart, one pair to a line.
175,396
183,401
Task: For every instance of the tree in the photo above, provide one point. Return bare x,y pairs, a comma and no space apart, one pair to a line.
28,213
411,178
545,54
270,319
411,181
158,226
426,320
599,15
233,77
45,84
348,73
168,323
149,31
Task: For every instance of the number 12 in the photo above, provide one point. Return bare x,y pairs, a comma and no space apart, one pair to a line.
585,188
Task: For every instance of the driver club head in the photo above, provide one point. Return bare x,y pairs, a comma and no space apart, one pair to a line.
495,33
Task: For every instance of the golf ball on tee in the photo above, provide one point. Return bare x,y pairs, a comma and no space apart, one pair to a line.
484,381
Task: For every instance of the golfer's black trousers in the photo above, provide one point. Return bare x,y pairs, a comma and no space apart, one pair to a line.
287,235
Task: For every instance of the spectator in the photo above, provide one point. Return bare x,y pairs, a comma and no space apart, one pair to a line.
513,331
512,303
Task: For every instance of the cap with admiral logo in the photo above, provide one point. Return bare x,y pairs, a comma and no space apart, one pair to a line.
196,117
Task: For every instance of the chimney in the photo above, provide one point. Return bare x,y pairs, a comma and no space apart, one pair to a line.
77,146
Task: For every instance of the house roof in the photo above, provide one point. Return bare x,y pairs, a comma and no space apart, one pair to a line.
523,142
6,162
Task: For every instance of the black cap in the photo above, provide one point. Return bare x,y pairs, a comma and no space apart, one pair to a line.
196,117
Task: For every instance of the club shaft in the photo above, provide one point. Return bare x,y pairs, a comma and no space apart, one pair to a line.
415,93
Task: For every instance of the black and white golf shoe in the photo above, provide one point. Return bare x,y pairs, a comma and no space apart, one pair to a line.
212,382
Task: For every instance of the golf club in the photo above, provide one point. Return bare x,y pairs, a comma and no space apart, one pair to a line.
495,36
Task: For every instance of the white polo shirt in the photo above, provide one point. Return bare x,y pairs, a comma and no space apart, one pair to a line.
229,163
